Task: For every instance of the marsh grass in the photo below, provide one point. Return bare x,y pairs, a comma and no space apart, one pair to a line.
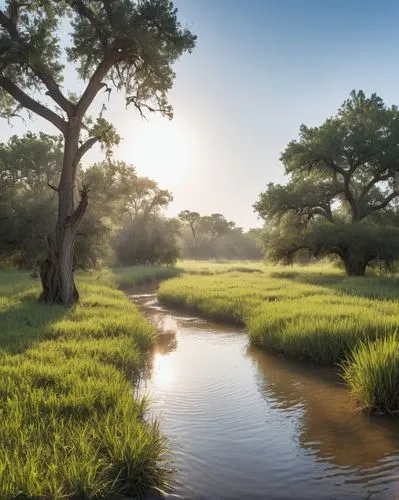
312,312
372,373
69,424
137,275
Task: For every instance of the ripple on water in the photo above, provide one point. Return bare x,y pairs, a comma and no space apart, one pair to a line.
245,424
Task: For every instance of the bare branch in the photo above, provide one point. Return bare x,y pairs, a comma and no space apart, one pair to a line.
27,102
383,204
96,83
85,147
51,186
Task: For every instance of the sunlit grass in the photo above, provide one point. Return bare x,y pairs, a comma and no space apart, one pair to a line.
205,267
372,373
136,275
69,424
310,312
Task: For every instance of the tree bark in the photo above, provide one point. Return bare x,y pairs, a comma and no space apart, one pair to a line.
354,267
57,271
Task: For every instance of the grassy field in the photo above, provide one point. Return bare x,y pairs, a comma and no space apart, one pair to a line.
137,275
313,312
69,424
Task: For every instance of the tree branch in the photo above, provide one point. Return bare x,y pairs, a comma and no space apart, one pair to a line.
373,182
88,13
78,214
96,83
85,147
27,102
44,76
383,204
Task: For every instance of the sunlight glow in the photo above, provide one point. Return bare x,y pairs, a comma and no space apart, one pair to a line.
160,149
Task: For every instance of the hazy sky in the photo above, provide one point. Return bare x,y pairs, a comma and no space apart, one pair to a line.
260,69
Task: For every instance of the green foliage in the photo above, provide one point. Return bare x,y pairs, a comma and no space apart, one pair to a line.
359,244
27,205
214,237
121,203
343,172
135,42
70,426
148,240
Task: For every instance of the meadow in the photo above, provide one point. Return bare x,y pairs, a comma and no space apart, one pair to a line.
310,312
71,422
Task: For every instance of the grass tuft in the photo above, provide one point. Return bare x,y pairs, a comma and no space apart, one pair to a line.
372,373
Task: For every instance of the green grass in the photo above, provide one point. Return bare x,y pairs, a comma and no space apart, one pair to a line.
69,424
372,373
206,267
137,275
312,312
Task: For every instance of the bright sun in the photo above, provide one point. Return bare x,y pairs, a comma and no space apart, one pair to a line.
160,149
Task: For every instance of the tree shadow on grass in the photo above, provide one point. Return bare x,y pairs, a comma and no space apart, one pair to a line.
372,287
25,323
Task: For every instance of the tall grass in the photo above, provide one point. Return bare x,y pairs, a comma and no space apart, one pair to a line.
69,424
372,373
136,275
312,312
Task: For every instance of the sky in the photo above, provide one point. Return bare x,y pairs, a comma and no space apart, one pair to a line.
259,70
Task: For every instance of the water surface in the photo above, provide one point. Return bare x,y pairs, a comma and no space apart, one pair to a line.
244,424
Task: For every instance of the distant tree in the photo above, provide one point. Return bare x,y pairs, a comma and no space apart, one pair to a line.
126,44
191,219
343,187
213,236
148,239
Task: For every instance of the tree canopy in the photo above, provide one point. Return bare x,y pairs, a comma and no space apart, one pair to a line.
343,174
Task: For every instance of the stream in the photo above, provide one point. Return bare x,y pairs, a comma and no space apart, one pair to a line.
245,424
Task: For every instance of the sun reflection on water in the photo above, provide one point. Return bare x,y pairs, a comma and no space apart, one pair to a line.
163,372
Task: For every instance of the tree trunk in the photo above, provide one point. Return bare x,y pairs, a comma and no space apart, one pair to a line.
57,271
354,267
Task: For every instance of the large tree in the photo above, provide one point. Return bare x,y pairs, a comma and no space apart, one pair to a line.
129,45
343,185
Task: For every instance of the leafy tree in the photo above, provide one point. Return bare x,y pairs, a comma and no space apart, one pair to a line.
27,206
123,205
148,239
190,218
343,185
126,44
213,236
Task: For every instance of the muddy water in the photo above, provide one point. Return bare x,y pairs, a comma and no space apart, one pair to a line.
243,424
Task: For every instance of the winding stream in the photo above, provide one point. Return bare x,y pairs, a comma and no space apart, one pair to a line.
244,424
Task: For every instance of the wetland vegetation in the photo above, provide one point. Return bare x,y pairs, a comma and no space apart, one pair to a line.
70,426
312,312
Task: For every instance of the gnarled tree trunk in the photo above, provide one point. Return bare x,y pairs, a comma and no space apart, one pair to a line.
57,271
355,267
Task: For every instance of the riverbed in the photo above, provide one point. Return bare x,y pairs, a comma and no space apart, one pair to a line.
245,424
